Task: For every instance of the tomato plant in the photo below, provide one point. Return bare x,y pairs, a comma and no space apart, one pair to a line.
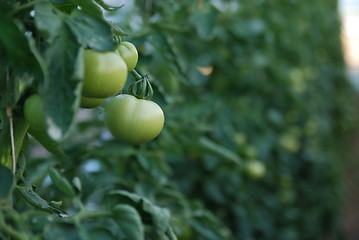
129,54
105,74
214,66
133,120
66,53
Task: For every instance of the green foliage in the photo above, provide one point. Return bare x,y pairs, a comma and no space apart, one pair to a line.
277,94
7,181
239,83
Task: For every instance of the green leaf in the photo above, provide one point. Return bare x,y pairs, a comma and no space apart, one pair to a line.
130,221
90,7
6,181
63,57
62,90
47,142
61,182
150,214
15,47
29,195
46,20
92,31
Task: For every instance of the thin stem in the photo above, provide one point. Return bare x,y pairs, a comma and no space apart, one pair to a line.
12,139
136,75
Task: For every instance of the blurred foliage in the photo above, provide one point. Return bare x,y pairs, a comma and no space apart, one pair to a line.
240,82
277,93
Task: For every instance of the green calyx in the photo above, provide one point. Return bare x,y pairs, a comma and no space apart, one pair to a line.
141,88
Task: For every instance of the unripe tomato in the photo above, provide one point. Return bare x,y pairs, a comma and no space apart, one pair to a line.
105,74
129,53
255,169
133,120
34,112
91,102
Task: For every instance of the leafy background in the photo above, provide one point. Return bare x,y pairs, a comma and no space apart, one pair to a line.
239,81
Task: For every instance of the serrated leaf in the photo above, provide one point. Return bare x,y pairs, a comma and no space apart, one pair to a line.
30,196
6,181
150,214
92,31
47,142
64,62
130,221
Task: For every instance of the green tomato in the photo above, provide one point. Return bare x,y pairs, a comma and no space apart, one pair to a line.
34,112
133,120
255,169
91,102
105,74
129,53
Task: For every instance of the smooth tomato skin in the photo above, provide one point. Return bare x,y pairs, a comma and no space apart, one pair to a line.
129,54
34,112
133,120
91,102
105,74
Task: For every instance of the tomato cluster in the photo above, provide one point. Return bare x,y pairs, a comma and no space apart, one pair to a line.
130,119
106,73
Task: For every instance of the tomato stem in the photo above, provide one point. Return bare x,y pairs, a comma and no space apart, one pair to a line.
141,88
12,141
136,75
